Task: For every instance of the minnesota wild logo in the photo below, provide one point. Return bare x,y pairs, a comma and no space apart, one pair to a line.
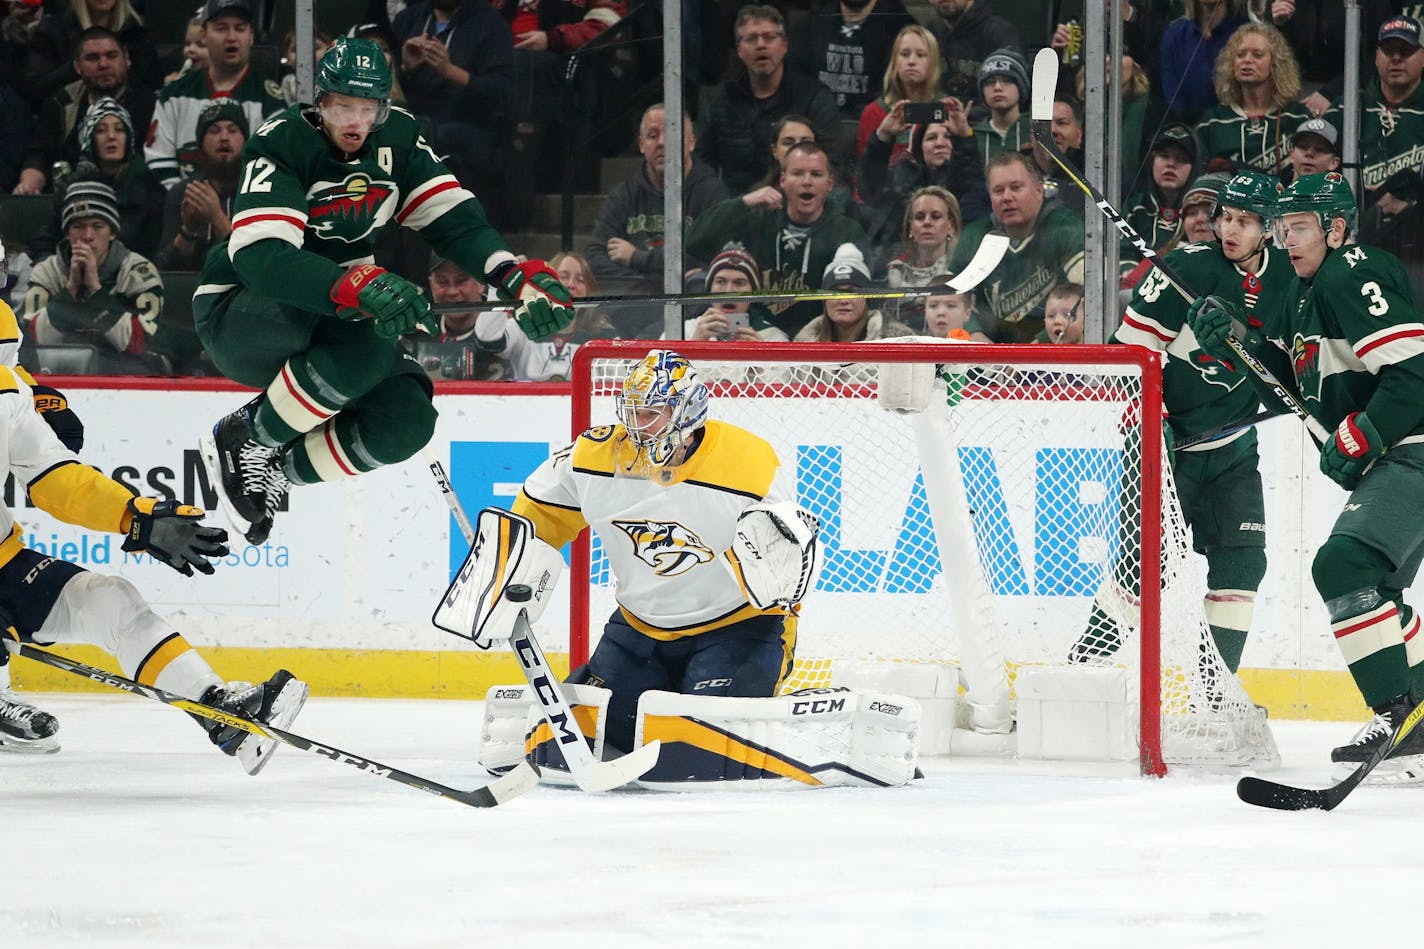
1219,372
1305,355
350,210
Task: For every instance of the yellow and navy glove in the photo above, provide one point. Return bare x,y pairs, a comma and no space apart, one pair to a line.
172,534
54,408
545,305
395,305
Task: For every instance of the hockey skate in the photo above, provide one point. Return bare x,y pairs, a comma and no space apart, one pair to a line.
275,702
25,729
1376,732
241,470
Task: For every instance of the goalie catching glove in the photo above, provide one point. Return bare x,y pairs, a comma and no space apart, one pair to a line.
775,556
172,534
505,554
545,305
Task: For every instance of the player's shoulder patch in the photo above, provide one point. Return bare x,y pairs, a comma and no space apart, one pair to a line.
9,381
594,449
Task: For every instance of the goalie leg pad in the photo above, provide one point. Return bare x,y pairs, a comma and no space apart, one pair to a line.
589,704
505,554
812,738
775,555
503,727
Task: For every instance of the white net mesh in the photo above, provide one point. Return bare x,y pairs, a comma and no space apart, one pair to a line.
1043,461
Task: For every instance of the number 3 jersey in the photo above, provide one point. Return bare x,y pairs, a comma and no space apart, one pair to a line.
663,537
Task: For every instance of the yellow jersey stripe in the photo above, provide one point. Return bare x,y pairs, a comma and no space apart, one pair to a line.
744,612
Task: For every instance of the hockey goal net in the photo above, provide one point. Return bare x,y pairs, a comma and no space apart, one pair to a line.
974,500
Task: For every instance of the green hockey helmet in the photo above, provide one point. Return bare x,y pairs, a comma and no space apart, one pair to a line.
356,67
1325,194
1250,190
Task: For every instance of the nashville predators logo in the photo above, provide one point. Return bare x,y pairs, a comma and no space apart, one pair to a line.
1218,372
666,546
350,210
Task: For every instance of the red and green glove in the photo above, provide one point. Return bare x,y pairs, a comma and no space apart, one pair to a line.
1353,448
545,305
394,304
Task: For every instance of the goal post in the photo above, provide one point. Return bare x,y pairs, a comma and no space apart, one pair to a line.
977,501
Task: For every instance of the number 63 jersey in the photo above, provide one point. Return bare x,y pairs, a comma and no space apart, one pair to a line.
1353,329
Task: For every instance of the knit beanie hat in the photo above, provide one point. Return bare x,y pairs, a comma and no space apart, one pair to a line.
90,199
1006,61
735,257
224,109
847,266
90,124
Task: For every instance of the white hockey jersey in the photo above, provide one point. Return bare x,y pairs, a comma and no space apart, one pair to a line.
663,538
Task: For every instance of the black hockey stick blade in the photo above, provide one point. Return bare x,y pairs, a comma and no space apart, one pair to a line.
508,786
1284,797
1230,428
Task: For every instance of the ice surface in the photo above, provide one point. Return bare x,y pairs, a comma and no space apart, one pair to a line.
140,834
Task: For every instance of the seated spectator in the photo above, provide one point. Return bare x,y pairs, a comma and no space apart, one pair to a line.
940,156
1003,87
197,213
849,320
735,135
792,130
794,241
1142,27
1143,112
1313,149
733,271
321,42
1257,81
951,315
552,359
931,227
1045,249
1198,205
95,291
103,68
109,155
912,75
847,47
54,39
172,150
1068,136
1190,47
628,234
456,66
1063,315
1155,212
195,54
1316,34
967,32
456,353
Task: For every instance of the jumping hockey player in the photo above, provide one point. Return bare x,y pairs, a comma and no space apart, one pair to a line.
711,565
47,600
1218,481
1352,341
292,303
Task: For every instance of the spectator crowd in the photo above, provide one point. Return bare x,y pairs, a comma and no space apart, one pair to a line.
830,144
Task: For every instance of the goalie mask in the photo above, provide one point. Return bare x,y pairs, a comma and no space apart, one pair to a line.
662,402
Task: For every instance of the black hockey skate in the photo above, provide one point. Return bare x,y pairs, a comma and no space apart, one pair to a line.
241,471
275,702
1376,732
24,728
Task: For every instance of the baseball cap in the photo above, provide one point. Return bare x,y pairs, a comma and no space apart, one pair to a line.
216,8
1320,129
1400,28
1177,135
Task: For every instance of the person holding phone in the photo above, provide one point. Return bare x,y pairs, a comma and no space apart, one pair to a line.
733,271
912,76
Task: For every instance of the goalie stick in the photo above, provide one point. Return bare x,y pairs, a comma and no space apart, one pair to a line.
511,785
588,774
1045,81
1284,797
991,250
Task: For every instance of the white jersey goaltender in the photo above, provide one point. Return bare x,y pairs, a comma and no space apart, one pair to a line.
711,565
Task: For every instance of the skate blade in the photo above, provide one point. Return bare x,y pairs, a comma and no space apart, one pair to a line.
9,744
1404,771
254,752
208,449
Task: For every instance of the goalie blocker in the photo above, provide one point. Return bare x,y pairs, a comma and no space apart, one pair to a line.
508,569
813,738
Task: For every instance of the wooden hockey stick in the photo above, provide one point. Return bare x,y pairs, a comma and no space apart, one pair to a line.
511,785
991,250
588,774
1285,797
1045,81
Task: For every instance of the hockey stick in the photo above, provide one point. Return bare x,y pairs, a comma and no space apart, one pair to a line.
588,774
1045,80
1284,797
991,250
1230,428
511,785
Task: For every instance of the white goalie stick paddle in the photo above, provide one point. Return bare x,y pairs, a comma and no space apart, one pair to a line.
991,250
1045,83
508,786
588,774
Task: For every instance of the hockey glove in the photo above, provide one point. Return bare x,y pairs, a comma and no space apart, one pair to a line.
545,304
1211,319
395,305
172,534
54,408
1353,448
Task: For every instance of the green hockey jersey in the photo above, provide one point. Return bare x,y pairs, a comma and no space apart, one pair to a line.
1391,143
1262,142
305,212
1202,392
171,149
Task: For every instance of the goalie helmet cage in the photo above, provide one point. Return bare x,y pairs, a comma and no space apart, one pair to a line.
976,501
